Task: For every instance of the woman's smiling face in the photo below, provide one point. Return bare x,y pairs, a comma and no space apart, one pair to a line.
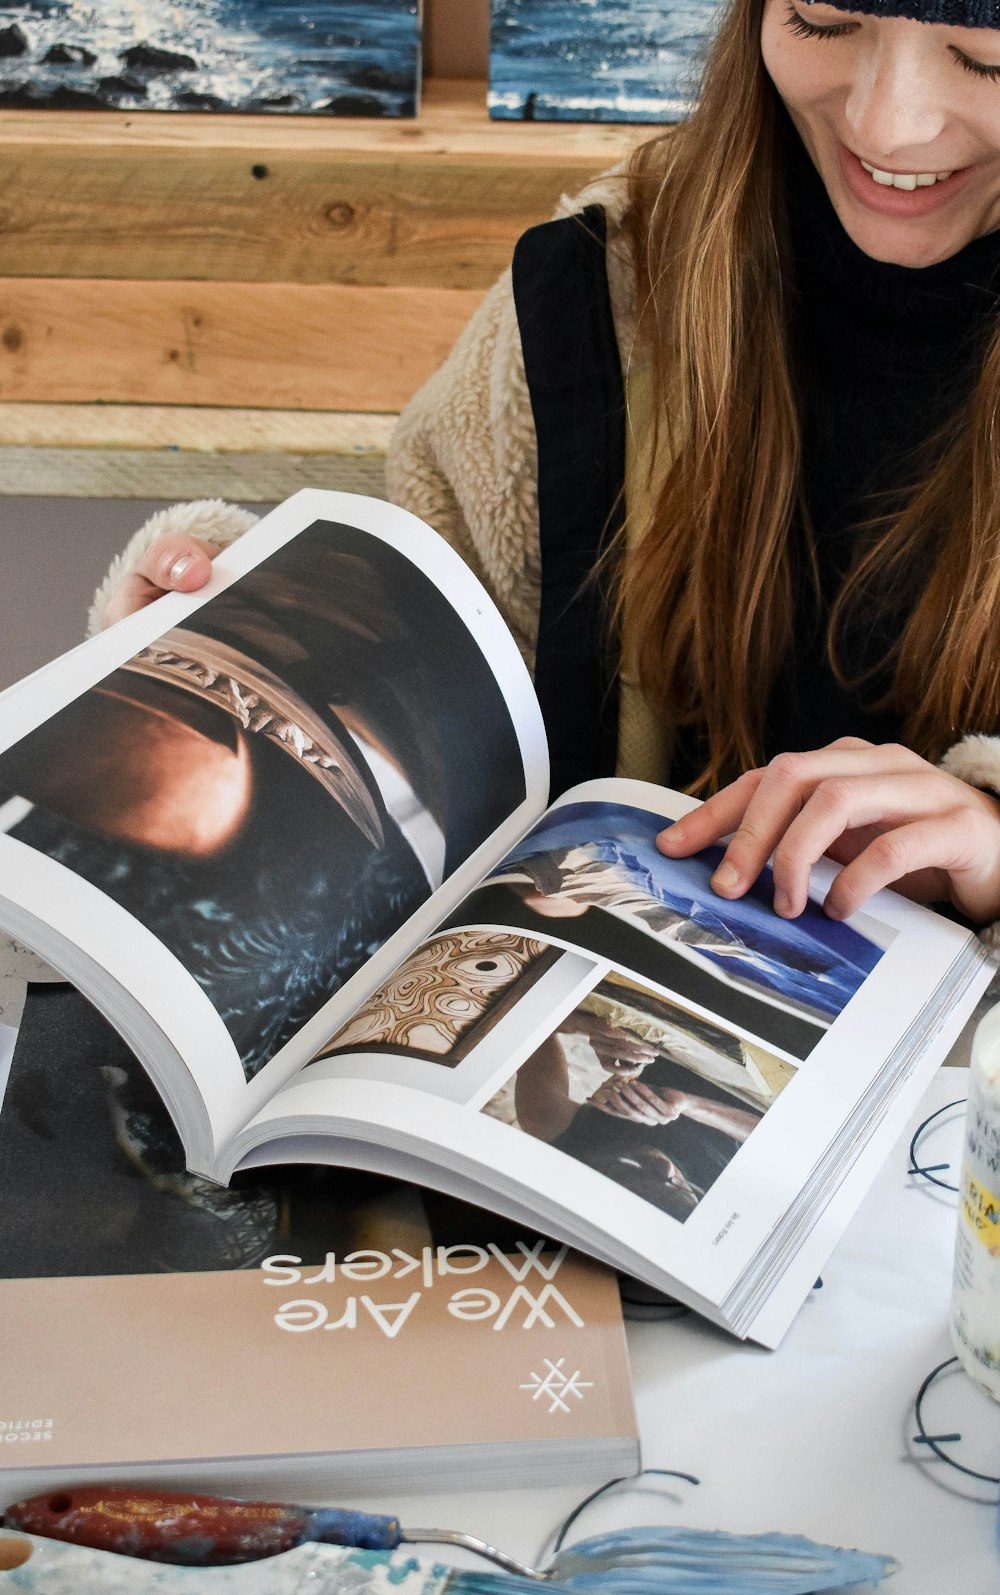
901,119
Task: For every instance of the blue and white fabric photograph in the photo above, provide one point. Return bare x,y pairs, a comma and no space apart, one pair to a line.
597,60
600,860
326,57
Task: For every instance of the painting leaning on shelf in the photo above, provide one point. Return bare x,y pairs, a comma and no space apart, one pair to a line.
328,57
596,60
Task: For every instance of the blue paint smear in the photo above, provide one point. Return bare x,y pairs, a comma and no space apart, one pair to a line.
335,57
597,60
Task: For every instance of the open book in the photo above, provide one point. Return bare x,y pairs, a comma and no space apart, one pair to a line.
290,835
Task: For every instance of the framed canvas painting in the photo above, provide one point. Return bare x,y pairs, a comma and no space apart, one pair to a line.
310,57
597,60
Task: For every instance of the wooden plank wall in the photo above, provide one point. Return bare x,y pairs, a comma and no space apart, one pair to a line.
275,263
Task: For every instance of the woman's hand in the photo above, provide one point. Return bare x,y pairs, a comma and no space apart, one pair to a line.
643,1104
616,1048
173,563
887,815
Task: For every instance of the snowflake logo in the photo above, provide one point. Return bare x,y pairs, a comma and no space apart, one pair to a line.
555,1385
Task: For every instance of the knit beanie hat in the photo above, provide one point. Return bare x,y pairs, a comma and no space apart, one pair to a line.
957,13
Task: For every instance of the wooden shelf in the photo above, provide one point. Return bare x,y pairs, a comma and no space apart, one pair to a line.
436,202
173,452
276,262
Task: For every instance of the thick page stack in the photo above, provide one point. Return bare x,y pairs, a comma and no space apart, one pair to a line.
292,839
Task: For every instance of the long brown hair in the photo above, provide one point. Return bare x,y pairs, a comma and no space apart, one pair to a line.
708,589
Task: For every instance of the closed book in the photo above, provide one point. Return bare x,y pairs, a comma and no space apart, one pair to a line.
295,1334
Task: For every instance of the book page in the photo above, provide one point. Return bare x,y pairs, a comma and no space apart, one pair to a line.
658,1072
234,812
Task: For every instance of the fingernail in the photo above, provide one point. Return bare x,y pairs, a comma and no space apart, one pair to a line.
179,568
726,877
783,904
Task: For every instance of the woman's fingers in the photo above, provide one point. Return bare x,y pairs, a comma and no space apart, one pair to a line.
631,1099
614,1045
789,782
606,1097
174,563
918,829
759,814
633,1052
851,815
888,815
723,813
131,593
615,1098
716,817
891,859
955,854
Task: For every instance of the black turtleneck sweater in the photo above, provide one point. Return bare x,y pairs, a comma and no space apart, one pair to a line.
886,355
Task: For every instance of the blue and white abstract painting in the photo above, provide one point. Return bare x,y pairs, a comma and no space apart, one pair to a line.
331,57
597,60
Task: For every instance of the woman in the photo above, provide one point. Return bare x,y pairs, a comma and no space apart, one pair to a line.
673,1131
749,386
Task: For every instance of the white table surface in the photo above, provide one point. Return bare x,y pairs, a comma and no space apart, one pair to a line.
816,1437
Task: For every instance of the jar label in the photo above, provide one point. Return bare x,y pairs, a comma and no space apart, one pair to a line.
981,1212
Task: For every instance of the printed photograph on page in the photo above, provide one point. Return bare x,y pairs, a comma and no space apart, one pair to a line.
590,874
644,1091
96,1183
277,783
629,1082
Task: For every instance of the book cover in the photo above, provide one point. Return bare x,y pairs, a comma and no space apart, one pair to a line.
299,1330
